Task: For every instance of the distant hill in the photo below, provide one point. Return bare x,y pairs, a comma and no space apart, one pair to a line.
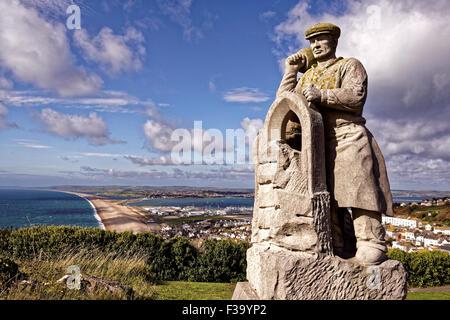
147,188
426,194
395,193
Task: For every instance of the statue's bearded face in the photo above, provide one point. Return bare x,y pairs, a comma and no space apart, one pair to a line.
323,46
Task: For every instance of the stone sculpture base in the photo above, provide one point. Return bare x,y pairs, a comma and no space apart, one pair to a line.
279,274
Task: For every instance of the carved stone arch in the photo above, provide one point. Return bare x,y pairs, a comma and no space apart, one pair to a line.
313,143
291,207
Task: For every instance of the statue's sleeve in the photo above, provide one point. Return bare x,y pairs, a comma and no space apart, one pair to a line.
288,83
352,93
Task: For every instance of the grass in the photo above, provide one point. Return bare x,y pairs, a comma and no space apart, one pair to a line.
180,290
428,296
130,271
44,273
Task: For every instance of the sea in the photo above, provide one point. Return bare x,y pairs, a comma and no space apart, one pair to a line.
220,203
205,203
24,208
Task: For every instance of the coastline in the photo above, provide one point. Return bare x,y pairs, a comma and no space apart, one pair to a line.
97,217
113,216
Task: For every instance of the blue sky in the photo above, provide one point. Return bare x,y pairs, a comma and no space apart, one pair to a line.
96,106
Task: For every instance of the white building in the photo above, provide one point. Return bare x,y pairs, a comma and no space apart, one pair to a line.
443,230
400,222
427,242
426,203
400,245
409,236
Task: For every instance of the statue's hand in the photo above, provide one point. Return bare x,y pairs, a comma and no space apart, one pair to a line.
312,94
295,62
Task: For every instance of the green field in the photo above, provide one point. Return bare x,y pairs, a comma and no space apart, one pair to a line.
179,290
428,296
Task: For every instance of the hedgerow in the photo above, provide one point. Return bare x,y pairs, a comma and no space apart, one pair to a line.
425,269
176,258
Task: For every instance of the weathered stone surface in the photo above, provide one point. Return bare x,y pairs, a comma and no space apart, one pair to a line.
285,189
267,198
298,234
244,291
266,173
276,273
294,247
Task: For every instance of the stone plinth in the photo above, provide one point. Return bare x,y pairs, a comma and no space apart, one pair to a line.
275,273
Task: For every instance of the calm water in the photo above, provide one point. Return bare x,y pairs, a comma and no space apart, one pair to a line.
212,203
24,208
409,199
208,203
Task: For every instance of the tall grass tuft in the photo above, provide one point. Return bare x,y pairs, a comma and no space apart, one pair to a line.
43,273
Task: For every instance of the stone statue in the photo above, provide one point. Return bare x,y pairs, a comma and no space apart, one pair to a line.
314,158
356,171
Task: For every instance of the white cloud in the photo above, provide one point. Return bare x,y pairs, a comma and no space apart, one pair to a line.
100,154
413,172
37,51
50,6
5,83
222,173
267,15
403,46
3,123
245,94
252,126
158,130
159,134
179,11
114,53
404,54
212,86
32,144
429,138
105,101
68,126
144,161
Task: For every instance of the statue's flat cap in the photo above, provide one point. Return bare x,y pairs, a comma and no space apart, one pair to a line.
323,28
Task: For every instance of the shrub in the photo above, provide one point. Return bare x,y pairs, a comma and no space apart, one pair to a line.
47,242
8,270
221,261
425,269
398,255
174,259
